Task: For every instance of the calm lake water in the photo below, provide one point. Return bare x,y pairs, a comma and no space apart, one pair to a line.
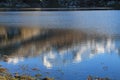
82,43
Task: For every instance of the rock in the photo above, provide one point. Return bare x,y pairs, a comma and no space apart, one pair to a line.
2,78
47,78
17,75
3,70
89,78
26,78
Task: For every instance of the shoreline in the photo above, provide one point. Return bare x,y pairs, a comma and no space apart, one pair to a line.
56,9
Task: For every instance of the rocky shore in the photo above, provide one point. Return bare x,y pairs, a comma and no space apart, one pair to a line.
6,75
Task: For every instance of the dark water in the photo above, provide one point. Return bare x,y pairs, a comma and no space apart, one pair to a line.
75,44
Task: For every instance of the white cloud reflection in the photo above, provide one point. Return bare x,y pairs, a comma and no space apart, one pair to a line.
46,62
15,60
75,54
78,53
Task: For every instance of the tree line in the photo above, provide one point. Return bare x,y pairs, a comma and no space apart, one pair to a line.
64,3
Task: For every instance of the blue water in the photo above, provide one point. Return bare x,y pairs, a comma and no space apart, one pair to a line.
77,62
105,21
90,57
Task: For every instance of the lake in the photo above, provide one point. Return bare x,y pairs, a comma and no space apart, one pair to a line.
65,45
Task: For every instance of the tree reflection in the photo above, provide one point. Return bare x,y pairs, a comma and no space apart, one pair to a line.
59,47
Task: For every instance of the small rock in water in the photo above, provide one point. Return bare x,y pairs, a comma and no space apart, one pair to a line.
97,78
35,69
105,68
17,75
47,78
89,77
38,75
2,70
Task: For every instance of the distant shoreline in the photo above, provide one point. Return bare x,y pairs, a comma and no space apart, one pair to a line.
56,9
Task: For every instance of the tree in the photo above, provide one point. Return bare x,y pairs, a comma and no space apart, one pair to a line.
53,4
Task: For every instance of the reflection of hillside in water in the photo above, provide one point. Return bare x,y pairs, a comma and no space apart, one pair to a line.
59,47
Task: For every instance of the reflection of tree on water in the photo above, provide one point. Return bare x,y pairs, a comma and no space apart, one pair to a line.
59,47
22,45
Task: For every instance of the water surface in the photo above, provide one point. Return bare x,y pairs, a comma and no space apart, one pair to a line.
74,45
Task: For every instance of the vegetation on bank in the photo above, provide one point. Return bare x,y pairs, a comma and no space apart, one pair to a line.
5,75
59,3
